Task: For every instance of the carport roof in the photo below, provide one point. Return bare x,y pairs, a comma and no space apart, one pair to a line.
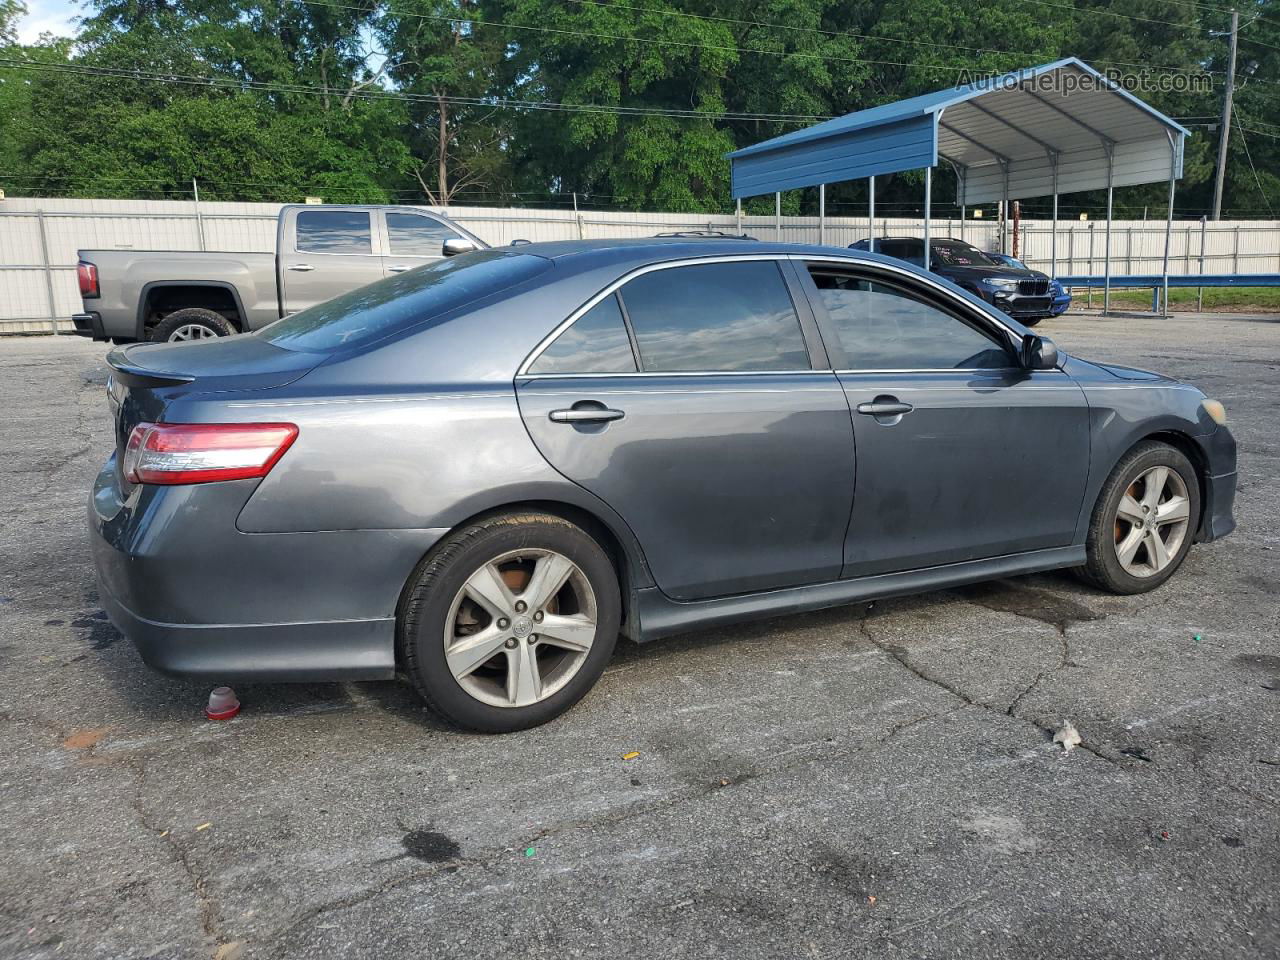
1020,125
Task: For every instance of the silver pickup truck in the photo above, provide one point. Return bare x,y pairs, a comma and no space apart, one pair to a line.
321,251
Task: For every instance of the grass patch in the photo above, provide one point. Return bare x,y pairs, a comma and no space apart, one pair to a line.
1243,299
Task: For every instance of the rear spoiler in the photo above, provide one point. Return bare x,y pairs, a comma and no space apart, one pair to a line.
133,375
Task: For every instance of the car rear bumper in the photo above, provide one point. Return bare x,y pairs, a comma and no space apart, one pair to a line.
201,599
88,325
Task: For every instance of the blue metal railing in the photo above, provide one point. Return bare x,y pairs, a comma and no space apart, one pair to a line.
1156,282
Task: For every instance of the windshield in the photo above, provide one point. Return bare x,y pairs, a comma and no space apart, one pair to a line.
952,253
382,308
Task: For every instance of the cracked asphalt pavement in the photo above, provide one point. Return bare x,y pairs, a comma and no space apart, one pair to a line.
870,781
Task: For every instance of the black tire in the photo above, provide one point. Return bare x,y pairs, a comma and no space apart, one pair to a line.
215,323
1102,569
429,600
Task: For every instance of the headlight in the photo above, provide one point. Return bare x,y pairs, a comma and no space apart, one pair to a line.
1215,410
1000,284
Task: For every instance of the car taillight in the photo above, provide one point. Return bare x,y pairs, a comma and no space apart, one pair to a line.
87,275
174,453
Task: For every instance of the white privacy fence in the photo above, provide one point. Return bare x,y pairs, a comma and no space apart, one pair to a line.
39,239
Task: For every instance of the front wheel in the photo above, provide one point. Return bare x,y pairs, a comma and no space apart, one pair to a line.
1145,520
510,622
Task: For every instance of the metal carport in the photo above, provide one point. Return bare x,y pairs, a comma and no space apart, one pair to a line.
1058,128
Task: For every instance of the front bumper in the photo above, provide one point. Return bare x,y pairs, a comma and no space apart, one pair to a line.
201,599
1216,514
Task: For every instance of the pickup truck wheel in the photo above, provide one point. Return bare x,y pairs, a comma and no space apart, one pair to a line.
192,323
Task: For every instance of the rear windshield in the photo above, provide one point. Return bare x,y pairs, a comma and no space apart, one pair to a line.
382,308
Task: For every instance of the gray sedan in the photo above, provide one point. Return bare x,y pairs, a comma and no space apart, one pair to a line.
484,471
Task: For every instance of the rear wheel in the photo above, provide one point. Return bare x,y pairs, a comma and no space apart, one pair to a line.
1144,521
510,622
192,323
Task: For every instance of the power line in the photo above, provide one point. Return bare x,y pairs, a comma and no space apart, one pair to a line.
232,84
860,36
714,47
1256,179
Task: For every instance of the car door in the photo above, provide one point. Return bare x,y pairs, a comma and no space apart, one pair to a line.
962,453
688,399
414,239
332,251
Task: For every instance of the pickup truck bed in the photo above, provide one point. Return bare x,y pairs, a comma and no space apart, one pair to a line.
147,283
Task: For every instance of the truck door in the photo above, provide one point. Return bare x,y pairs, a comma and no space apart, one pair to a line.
326,252
414,239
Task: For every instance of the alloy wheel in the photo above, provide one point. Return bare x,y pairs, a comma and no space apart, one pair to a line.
1152,521
193,331
520,628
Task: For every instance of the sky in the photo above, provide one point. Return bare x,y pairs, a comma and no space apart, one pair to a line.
52,16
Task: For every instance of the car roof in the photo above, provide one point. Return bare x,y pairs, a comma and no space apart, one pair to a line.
583,254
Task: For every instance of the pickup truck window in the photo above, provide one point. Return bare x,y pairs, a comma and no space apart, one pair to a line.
412,235
334,231
401,301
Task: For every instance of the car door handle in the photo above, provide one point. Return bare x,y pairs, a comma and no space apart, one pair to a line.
586,415
399,268
884,408
301,267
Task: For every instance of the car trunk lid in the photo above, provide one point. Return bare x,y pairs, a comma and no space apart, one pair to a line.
145,378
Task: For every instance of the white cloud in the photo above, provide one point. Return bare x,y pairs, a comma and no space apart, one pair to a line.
47,16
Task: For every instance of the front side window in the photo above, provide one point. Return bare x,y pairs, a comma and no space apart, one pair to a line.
596,342
910,250
880,327
715,317
412,235
334,231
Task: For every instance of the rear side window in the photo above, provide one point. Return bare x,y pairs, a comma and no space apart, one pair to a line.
412,235
596,342
880,327
334,231
404,300
715,317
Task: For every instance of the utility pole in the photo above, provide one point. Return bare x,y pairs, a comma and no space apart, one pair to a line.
1224,131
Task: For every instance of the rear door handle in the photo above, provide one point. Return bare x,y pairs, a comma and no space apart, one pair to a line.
301,267
586,415
884,408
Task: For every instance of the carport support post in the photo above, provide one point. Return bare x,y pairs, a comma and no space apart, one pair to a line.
822,213
777,216
1053,226
928,210
871,215
1106,244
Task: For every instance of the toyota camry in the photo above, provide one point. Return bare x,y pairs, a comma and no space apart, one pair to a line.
484,471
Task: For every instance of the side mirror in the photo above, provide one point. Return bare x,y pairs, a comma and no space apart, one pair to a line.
456,245
1038,353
